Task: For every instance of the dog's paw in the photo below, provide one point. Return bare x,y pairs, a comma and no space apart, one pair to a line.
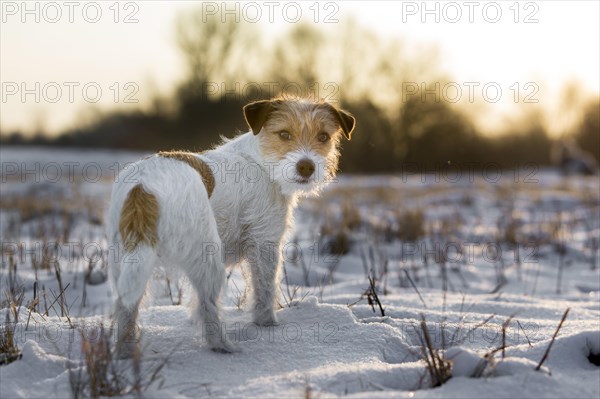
225,346
265,319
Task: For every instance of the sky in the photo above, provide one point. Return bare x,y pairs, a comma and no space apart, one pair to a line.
60,62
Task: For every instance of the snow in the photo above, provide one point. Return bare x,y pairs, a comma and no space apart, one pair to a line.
330,341
465,362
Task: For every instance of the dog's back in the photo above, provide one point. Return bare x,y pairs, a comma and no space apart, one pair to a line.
157,200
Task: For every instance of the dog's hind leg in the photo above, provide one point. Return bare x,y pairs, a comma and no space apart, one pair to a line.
130,278
206,273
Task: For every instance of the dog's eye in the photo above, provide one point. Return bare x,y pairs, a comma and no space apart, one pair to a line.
285,135
323,137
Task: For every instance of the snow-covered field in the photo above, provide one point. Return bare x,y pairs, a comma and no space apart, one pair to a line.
384,275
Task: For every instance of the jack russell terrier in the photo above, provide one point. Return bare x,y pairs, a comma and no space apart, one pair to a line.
204,211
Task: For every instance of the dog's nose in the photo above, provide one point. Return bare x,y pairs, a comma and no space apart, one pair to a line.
305,167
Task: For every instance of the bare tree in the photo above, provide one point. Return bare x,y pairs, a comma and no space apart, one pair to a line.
216,50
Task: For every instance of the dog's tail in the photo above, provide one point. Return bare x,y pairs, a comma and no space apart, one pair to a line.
138,225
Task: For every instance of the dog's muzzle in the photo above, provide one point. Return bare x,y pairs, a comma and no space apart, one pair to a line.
305,168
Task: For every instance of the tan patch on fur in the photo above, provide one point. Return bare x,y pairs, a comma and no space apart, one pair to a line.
139,219
304,121
199,165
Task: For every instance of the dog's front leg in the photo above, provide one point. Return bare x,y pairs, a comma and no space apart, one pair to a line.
265,266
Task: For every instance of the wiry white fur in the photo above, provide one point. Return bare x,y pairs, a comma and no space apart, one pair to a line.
245,218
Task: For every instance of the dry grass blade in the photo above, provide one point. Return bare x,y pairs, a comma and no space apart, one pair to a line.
415,288
440,369
238,295
543,359
9,352
504,327
372,297
476,327
101,374
291,295
524,333
179,293
56,298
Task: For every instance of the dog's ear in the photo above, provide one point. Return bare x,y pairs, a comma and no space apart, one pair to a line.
347,122
256,114
345,119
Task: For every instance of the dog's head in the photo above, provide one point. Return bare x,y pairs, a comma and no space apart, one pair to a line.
299,140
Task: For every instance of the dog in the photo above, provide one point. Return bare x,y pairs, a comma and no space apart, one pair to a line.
205,211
